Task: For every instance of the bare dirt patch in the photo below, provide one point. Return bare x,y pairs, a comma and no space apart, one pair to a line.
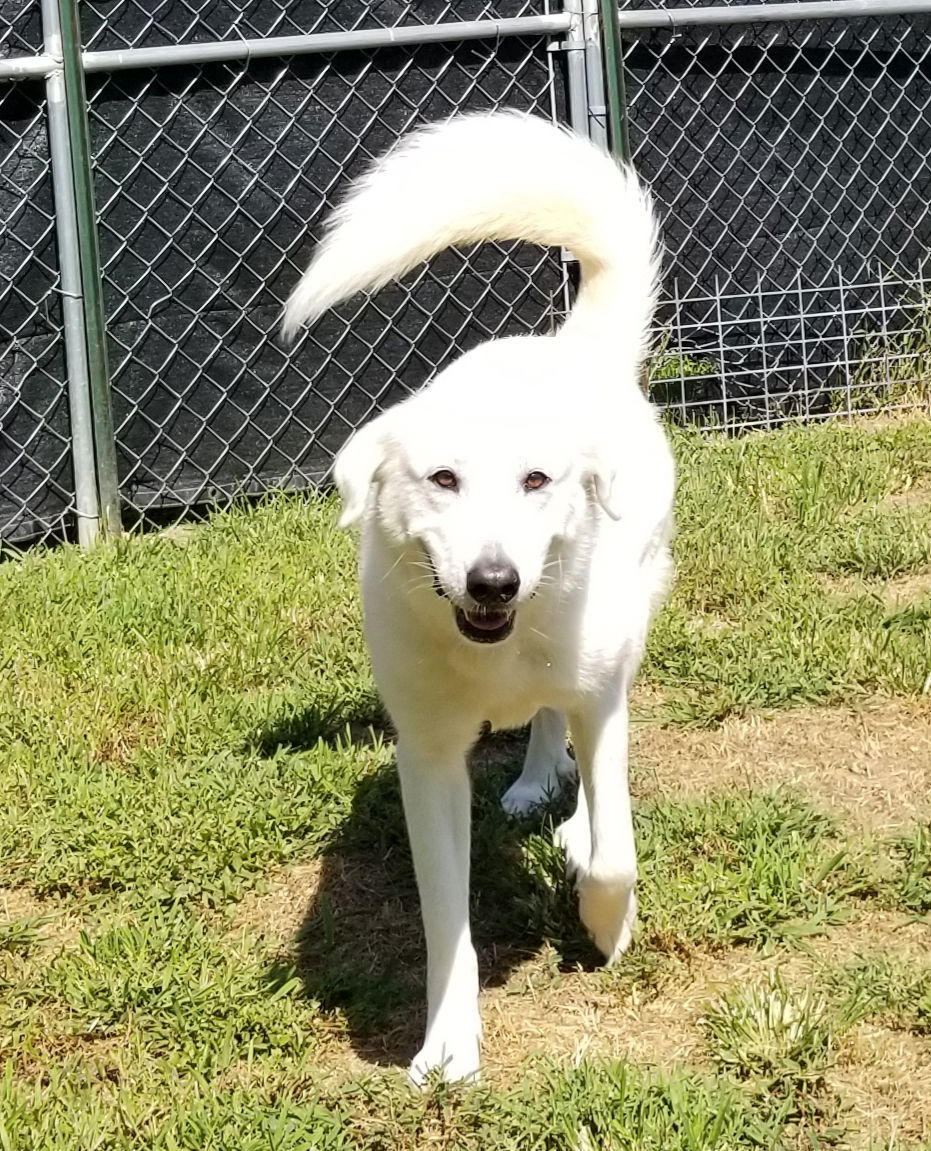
916,495
279,911
871,762
896,592
884,1079
56,925
599,1014
873,933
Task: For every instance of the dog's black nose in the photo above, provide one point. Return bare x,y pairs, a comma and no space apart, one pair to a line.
492,582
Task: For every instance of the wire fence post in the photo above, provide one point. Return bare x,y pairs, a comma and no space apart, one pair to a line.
597,110
615,86
65,13
87,503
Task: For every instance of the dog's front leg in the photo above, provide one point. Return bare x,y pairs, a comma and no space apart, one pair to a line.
599,838
547,765
437,806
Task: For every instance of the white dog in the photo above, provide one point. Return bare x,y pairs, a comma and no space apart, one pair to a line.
515,520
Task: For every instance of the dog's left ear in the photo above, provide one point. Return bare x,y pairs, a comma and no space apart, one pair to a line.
356,469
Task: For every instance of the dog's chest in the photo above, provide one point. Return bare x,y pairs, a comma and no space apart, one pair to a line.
512,689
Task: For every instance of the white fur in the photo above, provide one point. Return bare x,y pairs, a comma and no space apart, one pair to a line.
590,547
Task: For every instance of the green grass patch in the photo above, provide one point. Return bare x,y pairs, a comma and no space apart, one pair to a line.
885,988
773,1031
764,523
20,936
179,991
182,716
908,885
547,1109
736,869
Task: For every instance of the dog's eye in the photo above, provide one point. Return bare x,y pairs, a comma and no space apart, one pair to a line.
444,478
533,481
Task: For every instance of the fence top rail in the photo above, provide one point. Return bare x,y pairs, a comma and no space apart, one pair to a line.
782,13
217,51
27,67
124,59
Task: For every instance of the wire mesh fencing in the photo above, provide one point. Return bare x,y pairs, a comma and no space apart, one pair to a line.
212,177
791,163
212,183
788,158
36,480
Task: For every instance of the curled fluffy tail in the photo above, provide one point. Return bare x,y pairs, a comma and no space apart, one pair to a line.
497,176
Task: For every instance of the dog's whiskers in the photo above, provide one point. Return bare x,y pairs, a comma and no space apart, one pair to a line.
389,571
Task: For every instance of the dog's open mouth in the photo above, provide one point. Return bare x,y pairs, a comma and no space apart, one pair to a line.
485,625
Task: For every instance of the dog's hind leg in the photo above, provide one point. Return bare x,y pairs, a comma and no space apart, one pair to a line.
547,765
437,801
606,880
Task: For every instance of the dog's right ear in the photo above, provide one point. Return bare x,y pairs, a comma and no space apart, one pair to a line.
356,469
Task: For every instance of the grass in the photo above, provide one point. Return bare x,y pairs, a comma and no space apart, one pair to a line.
887,988
548,1109
196,771
733,869
895,365
782,1034
910,883
755,621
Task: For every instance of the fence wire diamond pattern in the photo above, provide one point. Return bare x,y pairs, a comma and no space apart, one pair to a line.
211,187
36,484
789,162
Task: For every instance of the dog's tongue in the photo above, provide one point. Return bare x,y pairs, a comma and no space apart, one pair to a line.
487,621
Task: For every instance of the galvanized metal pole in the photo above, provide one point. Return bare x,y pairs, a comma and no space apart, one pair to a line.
87,506
781,13
91,278
361,39
594,75
615,87
365,39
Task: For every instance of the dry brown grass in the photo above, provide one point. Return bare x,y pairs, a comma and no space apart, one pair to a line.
58,926
870,762
895,592
883,1079
914,494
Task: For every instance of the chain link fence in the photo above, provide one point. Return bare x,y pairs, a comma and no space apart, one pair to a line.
212,177
788,158
791,158
36,479
211,187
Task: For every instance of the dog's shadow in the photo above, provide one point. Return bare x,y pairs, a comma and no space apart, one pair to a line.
360,949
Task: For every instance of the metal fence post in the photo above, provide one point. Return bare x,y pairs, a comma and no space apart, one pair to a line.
63,23
585,72
94,322
615,87
87,502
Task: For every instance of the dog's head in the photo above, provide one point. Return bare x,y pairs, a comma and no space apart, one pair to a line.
487,492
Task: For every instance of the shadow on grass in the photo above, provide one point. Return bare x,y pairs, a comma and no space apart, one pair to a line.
360,948
360,722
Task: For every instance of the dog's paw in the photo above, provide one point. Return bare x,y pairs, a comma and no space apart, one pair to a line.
453,1058
575,838
608,910
522,798
537,785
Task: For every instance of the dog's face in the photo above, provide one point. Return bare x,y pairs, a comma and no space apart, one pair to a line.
484,498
